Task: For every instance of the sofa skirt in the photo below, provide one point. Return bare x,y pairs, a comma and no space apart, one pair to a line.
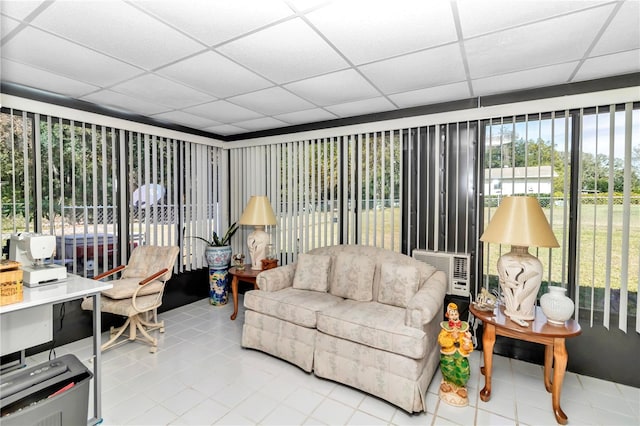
400,380
279,338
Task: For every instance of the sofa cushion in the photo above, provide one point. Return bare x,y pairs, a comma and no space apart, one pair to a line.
312,272
373,324
398,284
353,277
290,304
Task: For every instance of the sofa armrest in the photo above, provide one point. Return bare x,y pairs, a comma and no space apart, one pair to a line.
427,303
277,278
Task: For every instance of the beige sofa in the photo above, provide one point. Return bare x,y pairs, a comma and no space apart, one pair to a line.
358,315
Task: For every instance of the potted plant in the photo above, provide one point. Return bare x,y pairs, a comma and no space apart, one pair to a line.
218,255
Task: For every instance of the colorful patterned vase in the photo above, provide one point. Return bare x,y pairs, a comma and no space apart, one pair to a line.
218,286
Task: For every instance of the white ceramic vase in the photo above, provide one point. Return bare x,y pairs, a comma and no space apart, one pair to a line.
556,306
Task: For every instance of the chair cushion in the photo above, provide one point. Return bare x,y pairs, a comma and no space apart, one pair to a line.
125,287
373,324
122,307
312,272
290,304
353,277
398,284
147,260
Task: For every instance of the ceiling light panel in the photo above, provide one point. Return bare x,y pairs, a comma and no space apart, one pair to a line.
285,52
433,67
215,74
335,88
134,36
554,41
272,101
213,22
154,88
366,31
41,50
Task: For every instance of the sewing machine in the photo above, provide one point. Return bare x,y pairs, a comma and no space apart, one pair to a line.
31,250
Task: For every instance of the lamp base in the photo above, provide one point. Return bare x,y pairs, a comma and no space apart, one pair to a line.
257,242
520,279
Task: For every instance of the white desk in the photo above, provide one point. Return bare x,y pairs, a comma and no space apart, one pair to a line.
74,287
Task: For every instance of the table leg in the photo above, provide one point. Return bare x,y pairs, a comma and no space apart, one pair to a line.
559,365
548,366
488,340
234,292
97,359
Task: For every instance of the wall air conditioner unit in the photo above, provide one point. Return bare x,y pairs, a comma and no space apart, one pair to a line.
455,266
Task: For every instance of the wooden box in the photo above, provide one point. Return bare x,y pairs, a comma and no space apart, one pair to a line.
269,264
10,282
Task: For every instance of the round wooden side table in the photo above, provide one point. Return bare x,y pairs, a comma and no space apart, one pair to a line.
538,331
247,275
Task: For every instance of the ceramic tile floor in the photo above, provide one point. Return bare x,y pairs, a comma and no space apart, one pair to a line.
201,376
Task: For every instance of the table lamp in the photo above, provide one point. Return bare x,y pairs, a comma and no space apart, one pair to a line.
259,214
520,222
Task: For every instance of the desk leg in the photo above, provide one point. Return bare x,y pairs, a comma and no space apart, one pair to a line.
97,359
234,292
488,340
559,365
548,366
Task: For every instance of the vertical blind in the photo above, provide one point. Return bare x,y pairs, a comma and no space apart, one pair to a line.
103,190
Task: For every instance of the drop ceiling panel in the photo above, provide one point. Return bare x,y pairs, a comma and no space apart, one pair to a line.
19,9
272,101
367,106
335,88
215,74
231,67
307,116
34,77
433,67
133,36
285,52
41,50
554,41
432,95
124,103
626,62
225,112
165,92
261,123
539,77
482,17
225,19
366,31
185,119
623,33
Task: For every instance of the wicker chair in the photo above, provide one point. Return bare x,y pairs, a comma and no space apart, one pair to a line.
137,294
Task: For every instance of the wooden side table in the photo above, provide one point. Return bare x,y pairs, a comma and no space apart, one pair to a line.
539,331
247,275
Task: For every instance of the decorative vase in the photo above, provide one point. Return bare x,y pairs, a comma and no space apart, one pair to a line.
556,306
218,258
